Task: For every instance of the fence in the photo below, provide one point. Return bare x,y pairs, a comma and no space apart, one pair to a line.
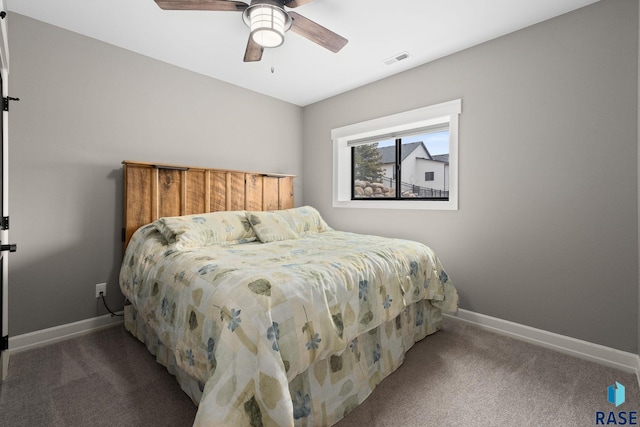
411,190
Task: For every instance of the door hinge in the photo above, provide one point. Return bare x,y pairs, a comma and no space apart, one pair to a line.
4,343
4,223
5,102
11,247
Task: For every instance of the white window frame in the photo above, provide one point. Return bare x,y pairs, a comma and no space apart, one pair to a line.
401,123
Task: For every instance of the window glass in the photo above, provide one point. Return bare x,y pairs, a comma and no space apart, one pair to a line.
374,170
408,167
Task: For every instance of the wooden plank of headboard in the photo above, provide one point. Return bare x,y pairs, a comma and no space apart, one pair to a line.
235,191
152,191
270,193
137,198
285,192
169,192
197,193
253,192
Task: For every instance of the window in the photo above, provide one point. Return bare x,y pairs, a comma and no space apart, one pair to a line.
381,163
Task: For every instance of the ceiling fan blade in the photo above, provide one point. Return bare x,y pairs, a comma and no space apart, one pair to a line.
295,3
253,52
317,33
229,5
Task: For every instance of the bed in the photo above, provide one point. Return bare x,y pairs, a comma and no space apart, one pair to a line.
268,316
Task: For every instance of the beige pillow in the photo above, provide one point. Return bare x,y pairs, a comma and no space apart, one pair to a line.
304,220
214,228
271,226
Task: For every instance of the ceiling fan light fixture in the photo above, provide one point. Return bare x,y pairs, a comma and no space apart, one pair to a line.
267,23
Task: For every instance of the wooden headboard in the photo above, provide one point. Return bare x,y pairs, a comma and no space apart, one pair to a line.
152,191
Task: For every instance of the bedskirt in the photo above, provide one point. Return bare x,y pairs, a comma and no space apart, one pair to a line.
330,388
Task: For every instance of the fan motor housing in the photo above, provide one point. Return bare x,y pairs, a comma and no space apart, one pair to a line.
276,3
268,21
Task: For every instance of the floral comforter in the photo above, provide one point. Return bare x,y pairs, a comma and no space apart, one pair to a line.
246,320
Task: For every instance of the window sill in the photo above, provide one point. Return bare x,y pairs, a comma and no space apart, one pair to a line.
440,205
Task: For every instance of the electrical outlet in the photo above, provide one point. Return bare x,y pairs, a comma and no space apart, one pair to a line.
101,287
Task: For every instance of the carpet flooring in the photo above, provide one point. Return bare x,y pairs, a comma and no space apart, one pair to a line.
460,376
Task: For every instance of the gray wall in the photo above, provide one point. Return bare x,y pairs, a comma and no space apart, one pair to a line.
86,106
547,230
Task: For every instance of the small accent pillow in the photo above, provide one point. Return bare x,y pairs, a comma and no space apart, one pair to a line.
271,226
214,228
305,220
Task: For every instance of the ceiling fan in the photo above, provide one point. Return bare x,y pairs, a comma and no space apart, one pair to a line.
268,20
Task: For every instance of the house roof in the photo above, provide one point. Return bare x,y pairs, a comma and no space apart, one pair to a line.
389,153
441,158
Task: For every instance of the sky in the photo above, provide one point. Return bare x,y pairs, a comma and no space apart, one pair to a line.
436,142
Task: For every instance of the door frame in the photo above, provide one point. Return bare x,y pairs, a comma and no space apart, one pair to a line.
4,234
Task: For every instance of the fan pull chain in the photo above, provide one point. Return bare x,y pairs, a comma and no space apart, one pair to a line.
273,58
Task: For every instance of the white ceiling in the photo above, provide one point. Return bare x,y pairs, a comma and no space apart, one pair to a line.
213,43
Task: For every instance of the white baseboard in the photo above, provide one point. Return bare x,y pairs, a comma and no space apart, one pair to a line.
61,333
638,369
607,356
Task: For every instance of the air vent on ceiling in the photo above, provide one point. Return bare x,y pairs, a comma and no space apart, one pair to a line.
397,58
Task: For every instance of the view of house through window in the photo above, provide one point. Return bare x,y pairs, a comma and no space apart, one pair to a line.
407,167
